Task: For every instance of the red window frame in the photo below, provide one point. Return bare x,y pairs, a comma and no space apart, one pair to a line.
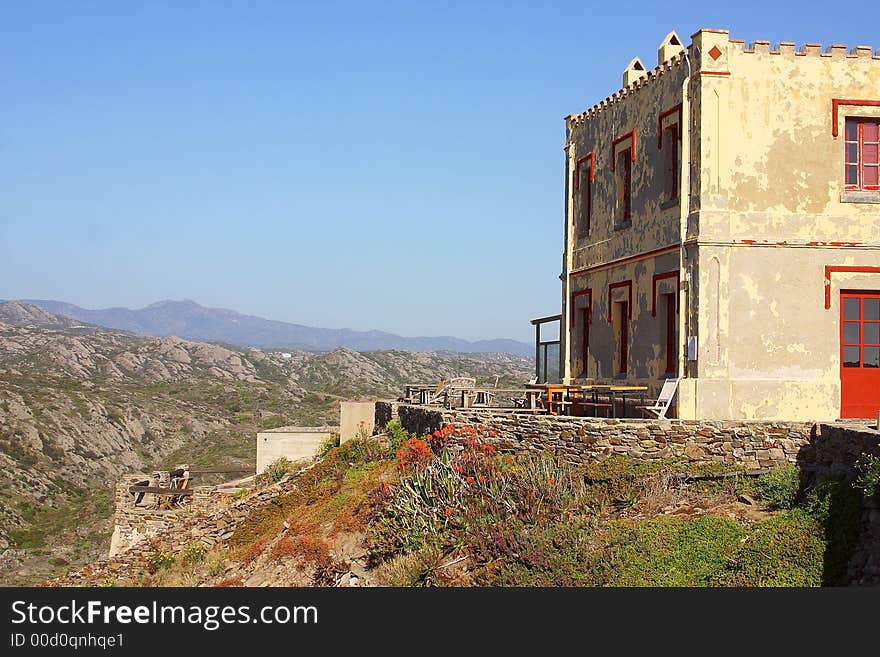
865,345
671,162
585,338
585,190
862,154
671,355
625,174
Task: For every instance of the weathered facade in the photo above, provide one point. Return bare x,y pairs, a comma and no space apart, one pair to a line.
723,225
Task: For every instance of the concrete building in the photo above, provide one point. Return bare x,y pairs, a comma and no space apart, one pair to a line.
356,420
722,225
294,443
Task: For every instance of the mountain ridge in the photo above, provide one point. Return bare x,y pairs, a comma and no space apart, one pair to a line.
189,320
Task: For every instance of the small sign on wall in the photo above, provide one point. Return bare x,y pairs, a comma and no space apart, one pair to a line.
692,347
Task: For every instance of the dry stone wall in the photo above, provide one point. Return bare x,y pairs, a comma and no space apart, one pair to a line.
578,439
819,448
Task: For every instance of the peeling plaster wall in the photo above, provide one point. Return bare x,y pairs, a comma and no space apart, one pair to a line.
635,108
770,207
777,350
647,355
771,168
655,225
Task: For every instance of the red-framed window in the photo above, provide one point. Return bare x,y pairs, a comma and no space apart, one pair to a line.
671,331
583,184
585,339
624,186
862,156
670,163
860,334
623,338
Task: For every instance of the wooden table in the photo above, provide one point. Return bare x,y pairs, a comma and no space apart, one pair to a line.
582,393
624,391
558,399
592,391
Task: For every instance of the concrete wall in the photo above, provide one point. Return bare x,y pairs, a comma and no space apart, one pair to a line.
356,419
767,213
294,443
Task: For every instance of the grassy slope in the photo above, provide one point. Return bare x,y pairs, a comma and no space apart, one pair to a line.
479,518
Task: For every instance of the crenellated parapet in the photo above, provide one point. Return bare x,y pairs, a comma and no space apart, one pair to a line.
789,48
712,59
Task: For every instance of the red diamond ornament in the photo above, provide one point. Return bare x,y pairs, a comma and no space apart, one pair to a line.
715,53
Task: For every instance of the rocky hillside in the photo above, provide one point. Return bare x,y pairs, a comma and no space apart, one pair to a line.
80,404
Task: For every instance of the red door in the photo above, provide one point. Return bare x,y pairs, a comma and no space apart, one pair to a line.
859,354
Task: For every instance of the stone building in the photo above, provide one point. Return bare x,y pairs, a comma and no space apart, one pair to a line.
723,226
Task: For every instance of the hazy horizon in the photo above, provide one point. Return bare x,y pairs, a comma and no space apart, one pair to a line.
195,301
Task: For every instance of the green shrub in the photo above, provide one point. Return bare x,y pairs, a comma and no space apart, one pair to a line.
274,471
868,480
163,560
327,444
240,494
396,434
779,488
668,551
556,553
412,569
193,554
273,422
787,550
836,506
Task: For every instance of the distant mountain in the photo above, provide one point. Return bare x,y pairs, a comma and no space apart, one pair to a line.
187,319
25,314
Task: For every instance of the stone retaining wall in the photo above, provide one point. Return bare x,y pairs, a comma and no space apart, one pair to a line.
819,449
823,449
579,439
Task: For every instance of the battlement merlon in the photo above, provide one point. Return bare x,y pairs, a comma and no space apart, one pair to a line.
713,52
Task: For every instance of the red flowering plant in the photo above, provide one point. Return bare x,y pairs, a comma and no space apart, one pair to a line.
413,454
436,497
458,495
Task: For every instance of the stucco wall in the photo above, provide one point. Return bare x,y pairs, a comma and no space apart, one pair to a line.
647,352
768,348
355,419
635,108
770,167
770,218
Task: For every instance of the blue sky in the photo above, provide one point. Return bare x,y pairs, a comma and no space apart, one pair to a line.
341,164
